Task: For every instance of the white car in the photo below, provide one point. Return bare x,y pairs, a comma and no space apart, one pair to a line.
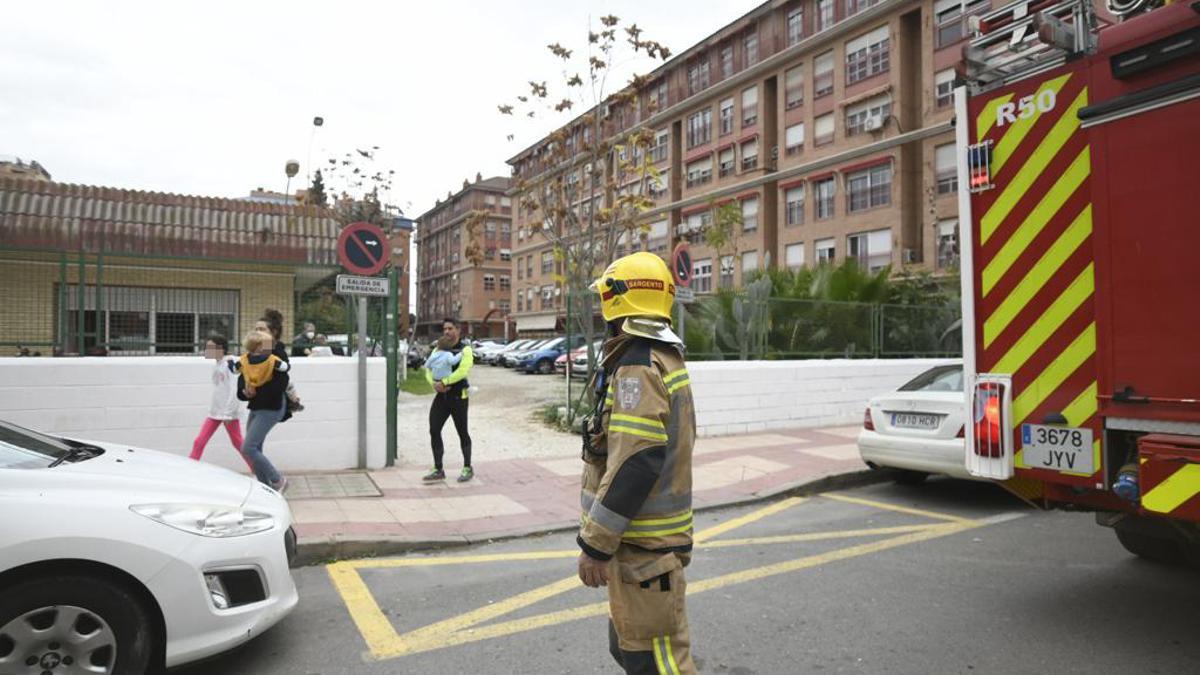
918,428
122,560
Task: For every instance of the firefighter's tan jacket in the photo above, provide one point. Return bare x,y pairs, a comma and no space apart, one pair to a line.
637,481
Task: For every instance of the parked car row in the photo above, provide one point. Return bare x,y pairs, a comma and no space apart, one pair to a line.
530,355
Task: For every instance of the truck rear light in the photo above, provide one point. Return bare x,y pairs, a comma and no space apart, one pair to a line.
988,429
868,424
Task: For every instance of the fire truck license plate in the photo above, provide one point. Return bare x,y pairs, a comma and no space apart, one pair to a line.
1058,448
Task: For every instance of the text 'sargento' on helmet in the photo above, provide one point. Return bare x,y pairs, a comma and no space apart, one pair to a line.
638,284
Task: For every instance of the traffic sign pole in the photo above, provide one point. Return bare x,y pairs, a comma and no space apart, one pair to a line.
392,383
362,382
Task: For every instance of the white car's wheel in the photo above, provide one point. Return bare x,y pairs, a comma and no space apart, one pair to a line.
74,624
907,477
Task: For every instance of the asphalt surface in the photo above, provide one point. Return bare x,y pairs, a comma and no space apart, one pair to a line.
966,580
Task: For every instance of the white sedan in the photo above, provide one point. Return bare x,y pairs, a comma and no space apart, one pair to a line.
919,428
122,560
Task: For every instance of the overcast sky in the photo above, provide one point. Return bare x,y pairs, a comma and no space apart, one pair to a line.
211,98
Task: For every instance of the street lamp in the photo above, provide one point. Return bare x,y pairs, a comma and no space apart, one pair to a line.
291,168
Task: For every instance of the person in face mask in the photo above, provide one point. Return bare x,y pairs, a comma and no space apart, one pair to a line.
303,342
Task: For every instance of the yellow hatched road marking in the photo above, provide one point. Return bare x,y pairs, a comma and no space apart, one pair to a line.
1174,491
815,536
1029,228
384,642
1019,129
1080,349
1037,277
987,116
1048,323
900,509
1024,177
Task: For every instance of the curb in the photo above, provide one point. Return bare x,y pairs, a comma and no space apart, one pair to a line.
331,548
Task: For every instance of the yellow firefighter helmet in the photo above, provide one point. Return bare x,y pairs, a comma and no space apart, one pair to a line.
638,284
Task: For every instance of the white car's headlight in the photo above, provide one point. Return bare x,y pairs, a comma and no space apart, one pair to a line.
207,520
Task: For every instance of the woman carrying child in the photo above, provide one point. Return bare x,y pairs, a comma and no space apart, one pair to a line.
263,382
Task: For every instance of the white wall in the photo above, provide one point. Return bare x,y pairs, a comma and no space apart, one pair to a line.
737,397
160,403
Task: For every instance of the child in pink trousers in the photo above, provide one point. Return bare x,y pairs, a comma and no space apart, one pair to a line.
224,406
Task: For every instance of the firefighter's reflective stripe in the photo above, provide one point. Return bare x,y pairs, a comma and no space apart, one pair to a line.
659,527
676,380
608,397
664,658
644,427
655,503
1173,492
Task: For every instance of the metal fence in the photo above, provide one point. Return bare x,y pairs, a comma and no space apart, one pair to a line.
741,327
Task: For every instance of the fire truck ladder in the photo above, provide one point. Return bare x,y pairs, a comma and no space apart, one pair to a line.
1025,38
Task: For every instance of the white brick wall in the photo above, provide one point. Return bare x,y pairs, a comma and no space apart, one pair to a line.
160,402
737,397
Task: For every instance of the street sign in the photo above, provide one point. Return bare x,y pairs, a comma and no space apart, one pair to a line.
681,266
684,294
362,248
348,284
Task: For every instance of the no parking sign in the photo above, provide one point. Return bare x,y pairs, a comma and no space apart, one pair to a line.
363,248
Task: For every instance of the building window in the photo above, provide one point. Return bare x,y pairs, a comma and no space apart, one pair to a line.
869,188
726,116
699,128
750,47
823,75
547,262
750,107
547,297
795,24
505,282
506,228
505,306
867,55
855,6
657,185
126,320
696,223
490,227
794,87
826,251
506,202
726,165
726,271
868,115
823,129
726,58
749,263
793,139
662,139
750,154
943,83
506,254
658,96
824,191
794,205
947,243
698,75
750,214
945,169
950,19
520,302
656,241
489,282
872,250
702,275
699,172
824,14
793,255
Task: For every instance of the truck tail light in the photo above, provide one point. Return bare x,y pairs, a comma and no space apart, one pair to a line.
988,429
868,424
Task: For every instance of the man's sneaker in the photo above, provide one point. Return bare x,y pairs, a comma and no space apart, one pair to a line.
466,474
434,475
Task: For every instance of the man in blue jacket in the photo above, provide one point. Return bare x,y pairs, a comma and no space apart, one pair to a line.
450,401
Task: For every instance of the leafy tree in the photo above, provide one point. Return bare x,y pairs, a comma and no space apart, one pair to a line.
316,191
594,173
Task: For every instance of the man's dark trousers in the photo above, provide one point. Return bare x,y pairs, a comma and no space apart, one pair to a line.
452,404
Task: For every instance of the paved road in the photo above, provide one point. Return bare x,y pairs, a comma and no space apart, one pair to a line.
948,577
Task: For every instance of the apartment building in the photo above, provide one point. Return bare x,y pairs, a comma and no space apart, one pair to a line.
451,284
828,123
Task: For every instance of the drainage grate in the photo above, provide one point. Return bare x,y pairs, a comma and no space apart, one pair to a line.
332,485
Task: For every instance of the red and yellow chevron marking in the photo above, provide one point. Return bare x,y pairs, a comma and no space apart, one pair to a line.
1170,488
1034,271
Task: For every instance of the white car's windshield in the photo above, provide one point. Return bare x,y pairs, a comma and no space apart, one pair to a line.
25,449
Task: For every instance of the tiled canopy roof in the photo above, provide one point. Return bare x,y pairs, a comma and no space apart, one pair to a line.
66,217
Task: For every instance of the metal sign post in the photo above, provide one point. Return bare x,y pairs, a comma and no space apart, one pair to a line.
681,270
363,249
390,328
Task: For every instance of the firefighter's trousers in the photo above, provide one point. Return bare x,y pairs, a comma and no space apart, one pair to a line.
648,632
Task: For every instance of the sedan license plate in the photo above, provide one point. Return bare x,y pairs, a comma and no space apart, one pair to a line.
915,421
1065,449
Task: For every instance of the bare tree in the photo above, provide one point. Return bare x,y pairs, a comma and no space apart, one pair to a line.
593,176
360,188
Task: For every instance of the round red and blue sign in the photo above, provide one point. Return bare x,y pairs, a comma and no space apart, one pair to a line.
363,248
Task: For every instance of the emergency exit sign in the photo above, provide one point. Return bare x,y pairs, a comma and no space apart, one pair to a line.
349,284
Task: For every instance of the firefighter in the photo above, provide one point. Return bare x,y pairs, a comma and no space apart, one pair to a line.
636,528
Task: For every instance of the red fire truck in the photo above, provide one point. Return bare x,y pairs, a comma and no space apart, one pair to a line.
1079,176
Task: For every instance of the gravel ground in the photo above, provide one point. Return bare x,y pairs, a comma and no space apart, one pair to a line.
502,422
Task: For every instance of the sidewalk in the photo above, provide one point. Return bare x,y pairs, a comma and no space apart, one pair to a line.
517,497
